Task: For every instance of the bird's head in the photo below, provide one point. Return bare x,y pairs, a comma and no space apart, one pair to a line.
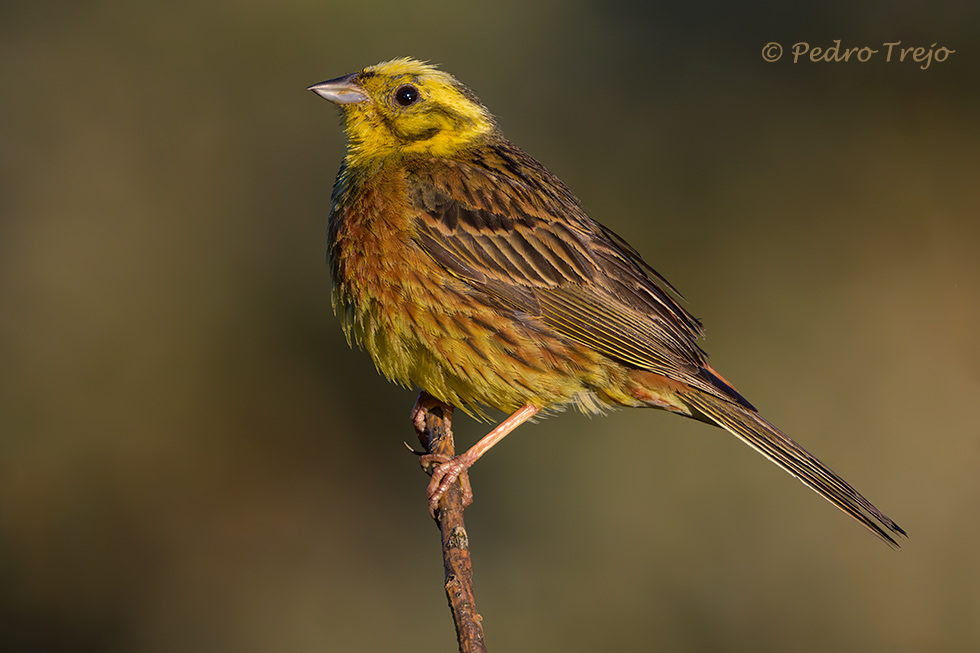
405,107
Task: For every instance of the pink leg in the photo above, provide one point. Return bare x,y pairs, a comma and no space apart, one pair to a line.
449,470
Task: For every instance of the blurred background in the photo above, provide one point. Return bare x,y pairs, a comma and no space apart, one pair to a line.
192,459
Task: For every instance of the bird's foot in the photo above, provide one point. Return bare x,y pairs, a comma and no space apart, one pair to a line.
423,405
444,472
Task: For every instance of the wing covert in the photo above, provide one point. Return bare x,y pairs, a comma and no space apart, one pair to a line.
548,259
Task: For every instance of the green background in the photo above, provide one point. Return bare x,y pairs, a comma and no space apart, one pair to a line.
191,459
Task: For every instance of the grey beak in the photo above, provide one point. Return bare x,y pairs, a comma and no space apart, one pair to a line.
343,90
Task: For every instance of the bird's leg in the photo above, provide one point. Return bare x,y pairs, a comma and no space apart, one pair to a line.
449,470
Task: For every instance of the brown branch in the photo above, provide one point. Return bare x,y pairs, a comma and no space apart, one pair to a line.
438,439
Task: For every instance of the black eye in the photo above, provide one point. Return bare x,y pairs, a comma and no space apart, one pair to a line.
406,95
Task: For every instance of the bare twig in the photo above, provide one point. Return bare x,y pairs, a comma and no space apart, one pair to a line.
438,439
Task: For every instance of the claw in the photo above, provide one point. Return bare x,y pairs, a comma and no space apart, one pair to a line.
409,447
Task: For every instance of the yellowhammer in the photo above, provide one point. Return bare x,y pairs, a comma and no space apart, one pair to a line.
466,267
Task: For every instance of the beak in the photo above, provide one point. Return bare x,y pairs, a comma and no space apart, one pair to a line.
343,90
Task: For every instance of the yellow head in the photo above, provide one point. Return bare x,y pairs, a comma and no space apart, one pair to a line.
404,106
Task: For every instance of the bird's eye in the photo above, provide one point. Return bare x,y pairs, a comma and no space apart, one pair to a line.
407,95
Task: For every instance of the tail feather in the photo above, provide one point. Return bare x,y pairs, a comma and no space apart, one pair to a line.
765,438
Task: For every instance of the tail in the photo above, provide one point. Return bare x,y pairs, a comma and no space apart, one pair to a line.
752,429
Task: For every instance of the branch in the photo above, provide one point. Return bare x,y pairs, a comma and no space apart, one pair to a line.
438,439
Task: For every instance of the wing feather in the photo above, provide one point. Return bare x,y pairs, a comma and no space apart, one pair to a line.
529,245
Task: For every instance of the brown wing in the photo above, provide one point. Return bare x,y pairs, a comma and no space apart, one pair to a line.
513,231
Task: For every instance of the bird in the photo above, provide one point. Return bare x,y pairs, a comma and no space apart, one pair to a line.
465,267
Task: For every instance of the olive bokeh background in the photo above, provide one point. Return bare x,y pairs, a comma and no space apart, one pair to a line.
191,458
